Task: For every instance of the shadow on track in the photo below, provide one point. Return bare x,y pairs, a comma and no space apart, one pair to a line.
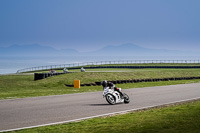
105,104
99,104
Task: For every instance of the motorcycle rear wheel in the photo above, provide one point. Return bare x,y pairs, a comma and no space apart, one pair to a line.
110,99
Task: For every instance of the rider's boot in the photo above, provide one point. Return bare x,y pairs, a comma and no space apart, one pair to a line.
122,96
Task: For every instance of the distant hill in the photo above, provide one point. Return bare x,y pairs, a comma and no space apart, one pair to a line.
127,49
135,50
34,50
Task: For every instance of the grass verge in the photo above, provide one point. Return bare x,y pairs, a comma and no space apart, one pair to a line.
19,86
184,118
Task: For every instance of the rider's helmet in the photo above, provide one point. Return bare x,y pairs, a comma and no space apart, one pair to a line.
104,83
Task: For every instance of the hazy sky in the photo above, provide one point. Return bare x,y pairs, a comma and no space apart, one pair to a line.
92,24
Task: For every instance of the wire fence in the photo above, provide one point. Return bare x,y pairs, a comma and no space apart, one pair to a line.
31,69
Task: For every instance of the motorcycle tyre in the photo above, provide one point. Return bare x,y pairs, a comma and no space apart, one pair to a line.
126,98
109,100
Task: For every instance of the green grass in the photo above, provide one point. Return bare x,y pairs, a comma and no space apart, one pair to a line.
19,86
184,118
124,70
131,70
151,64
158,64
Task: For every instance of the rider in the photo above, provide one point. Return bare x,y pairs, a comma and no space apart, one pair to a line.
111,85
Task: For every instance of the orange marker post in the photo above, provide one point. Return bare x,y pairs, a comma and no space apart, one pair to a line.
76,83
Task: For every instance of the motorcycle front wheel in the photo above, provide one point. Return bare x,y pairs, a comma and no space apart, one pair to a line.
110,99
126,98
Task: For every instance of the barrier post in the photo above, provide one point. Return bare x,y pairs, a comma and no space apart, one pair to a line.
76,83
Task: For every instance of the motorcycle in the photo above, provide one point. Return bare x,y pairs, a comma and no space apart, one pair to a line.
113,97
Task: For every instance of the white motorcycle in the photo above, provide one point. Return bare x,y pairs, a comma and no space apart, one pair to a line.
113,97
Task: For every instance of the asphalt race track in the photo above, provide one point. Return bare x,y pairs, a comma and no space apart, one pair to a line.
40,111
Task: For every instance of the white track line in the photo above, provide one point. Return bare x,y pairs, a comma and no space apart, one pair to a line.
125,111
